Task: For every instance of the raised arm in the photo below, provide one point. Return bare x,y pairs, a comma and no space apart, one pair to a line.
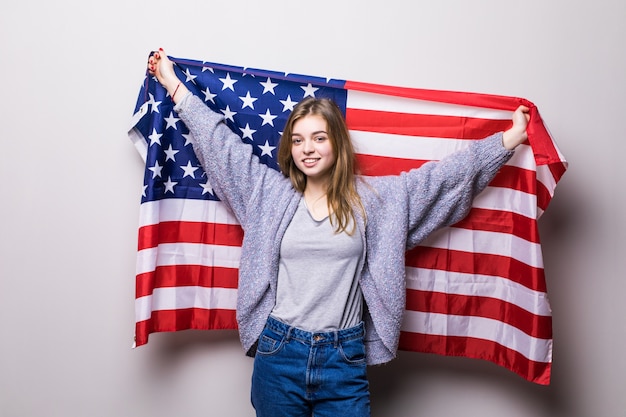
236,175
441,193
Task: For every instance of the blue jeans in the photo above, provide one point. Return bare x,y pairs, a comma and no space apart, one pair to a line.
298,373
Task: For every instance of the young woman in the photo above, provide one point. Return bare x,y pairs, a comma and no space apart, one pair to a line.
321,279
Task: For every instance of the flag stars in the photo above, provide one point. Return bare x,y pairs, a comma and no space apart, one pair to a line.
170,154
288,104
189,76
169,185
189,170
247,132
155,137
156,170
228,113
268,118
309,90
208,96
206,188
228,83
171,121
266,149
248,101
268,86
154,104
188,138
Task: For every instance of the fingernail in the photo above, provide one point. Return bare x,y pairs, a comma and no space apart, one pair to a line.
160,49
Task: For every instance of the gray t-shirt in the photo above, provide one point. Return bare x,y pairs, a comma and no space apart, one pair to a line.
317,285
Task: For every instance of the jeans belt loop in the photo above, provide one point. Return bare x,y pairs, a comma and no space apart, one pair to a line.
288,337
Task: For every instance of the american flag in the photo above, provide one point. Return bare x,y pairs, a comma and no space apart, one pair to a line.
475,289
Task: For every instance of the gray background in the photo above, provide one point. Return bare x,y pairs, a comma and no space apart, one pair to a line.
70,182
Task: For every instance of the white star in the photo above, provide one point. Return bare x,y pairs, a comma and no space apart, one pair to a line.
248,101
309,90
266,149
189,170
209,96
154,137
268,86
228,114
154,104
206,188
171,121
156,170
268,118
205,68
228,82
143,192
188,76
247,132
170,154
169,185
188,139
288,104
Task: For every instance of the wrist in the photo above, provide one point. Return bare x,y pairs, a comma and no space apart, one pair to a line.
513,137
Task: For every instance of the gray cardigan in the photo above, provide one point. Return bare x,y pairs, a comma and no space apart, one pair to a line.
401,211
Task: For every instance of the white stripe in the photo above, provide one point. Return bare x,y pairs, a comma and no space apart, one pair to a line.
383,102
179,209
506,199
168,254
434,280
172,298
539,350
135,135
480,241
424,148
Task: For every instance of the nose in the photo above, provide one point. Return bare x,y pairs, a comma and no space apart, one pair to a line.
308,146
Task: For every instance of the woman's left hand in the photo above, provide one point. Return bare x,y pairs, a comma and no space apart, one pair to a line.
517,133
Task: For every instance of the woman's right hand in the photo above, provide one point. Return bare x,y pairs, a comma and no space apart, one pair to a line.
162,68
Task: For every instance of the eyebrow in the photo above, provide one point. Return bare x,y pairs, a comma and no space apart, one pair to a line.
314,133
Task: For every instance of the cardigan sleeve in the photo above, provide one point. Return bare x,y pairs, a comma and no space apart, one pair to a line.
234,172
441,193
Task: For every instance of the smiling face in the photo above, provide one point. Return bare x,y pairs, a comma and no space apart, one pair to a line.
311,148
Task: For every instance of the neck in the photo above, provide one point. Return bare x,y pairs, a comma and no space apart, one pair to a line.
315,189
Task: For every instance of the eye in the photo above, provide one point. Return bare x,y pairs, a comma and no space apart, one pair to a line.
320,138
296,140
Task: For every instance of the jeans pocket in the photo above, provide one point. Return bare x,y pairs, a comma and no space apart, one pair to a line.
353,351
270,343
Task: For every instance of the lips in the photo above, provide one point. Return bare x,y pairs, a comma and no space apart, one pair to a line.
310,161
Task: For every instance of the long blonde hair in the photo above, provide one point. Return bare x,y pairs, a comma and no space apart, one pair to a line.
341,195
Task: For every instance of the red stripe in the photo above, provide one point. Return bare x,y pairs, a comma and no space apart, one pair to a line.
374,165
185,276
533,371
487,307
515,178
189,232
423,124
184,319
477,263
501,221
438,96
